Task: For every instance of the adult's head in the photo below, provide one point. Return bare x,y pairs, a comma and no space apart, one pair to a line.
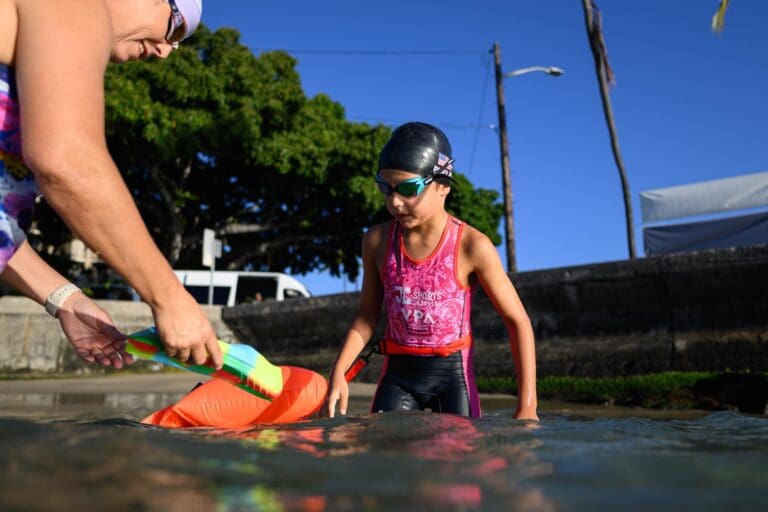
419,148
151,28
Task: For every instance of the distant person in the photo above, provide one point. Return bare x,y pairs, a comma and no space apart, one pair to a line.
53,56
423,266
257,297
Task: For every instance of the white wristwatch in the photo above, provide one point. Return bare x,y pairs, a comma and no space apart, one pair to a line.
57,298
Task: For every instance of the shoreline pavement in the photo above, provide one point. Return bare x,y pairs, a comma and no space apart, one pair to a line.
156,383
137,383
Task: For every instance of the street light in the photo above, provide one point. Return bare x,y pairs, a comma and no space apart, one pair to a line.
550,70
506,179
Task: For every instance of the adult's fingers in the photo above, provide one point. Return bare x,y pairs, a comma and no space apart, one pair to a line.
121,347
212,345
85,355
183,355
199,354
113,357
101,358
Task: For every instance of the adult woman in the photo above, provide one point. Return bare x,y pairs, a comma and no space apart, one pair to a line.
54,53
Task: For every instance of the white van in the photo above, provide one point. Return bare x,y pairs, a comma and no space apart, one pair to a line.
231,287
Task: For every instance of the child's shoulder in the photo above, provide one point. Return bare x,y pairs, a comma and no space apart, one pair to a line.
474,242
377,233
379,229
473,236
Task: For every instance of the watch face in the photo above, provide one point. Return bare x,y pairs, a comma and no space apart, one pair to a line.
51,309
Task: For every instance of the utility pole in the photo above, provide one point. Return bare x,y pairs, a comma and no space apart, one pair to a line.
506,177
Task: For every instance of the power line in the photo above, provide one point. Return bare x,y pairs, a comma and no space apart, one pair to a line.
372,52
479,115
385,53
443,124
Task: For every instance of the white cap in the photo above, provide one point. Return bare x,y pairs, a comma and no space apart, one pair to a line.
192,10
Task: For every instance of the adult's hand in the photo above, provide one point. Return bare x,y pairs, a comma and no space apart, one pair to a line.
92,332
185,331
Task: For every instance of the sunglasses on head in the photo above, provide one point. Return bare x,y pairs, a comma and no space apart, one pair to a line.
177,27
407,188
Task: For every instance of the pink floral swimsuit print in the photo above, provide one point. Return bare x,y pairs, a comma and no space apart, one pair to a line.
427,307
17,185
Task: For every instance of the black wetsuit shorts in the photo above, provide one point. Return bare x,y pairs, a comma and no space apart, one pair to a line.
423,382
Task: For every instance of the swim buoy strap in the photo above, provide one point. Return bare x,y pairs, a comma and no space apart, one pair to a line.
243,367
362,361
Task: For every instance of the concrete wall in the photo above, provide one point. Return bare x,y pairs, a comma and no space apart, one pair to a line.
32,341
700,311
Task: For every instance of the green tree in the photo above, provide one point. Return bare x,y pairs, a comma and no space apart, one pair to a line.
217,137
477,207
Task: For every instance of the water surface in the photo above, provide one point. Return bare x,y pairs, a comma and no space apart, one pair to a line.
71,455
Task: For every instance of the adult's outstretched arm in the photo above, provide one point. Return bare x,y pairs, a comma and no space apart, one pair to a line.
62,51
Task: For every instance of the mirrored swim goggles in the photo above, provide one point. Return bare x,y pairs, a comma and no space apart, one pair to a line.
177,27
411,187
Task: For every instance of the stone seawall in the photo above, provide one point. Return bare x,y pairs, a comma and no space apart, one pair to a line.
700,311
31,341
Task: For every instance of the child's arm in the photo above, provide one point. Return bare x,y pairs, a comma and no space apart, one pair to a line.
362,327
487,266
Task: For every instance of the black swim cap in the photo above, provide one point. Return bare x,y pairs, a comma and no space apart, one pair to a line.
419,148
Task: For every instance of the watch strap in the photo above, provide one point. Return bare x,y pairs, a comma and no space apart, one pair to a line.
57,298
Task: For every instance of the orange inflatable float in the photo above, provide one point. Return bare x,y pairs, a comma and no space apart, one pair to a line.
248,390
217,403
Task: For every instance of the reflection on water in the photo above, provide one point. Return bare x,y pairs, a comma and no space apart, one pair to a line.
393,461
83,406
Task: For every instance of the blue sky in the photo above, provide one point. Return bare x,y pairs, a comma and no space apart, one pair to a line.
689,105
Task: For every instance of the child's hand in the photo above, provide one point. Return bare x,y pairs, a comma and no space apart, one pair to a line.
338,392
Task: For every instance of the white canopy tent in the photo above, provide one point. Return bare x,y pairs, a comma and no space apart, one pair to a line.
709,197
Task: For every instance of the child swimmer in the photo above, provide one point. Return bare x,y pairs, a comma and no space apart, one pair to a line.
423,266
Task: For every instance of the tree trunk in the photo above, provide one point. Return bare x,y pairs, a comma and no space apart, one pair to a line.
601,66
172,242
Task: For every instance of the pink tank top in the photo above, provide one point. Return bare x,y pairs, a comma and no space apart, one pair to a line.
427,307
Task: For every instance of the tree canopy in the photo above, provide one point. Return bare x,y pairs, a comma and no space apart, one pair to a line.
217,137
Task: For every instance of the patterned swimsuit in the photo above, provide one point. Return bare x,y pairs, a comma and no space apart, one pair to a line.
428,340
17,183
